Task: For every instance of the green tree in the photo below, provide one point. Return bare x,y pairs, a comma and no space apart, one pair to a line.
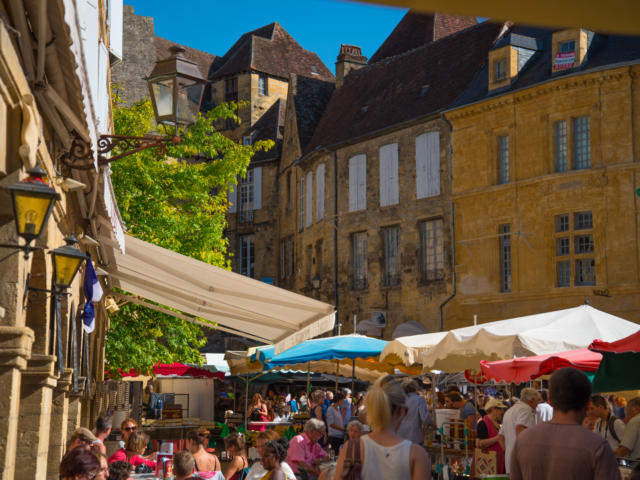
179,205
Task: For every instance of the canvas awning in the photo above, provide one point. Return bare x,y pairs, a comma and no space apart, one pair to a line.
214,297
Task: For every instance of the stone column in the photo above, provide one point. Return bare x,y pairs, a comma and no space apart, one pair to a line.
58,429
38,382
15,348
75,408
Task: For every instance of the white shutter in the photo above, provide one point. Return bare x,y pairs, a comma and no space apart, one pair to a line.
301,203
257,188
104,95
320,192
361,203
115,19
353,183
90,28
428,165
309,201
232,196
389,175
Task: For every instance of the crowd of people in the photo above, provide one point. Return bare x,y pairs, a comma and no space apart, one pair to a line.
564,432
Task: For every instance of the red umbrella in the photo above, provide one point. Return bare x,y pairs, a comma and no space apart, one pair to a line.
523,369
626,344
178,369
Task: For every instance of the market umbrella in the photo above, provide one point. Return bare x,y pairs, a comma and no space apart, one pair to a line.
620,366
523,369
178,370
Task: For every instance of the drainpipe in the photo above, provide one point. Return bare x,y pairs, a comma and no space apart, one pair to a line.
453,230
335,238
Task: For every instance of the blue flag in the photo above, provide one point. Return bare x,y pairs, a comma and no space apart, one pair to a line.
92,293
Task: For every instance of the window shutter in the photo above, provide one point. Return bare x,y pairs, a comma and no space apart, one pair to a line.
428,165
353,183
320,192
89,32
389,175
233,199
361,203
257,188
309,201
104,92
115,17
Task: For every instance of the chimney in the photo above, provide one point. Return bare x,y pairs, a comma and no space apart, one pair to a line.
350,58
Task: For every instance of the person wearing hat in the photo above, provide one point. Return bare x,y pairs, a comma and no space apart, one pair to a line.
81,438
488,430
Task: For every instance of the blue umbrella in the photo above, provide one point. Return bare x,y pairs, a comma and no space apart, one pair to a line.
330,348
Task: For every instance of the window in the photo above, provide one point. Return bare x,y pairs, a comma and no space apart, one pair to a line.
309,201
503,159
391,256
301,204
309,263
357,183
580,238
581,143
567,47
290,259
231,89
247,256
500,70
319,258
505,257
428,165
320,192
431,250
560,130
246,197
389,175
283,258
262,85
359,259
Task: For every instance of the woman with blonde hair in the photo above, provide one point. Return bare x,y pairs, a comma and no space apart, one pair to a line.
257,412
133,450
206,464
239,466
383,454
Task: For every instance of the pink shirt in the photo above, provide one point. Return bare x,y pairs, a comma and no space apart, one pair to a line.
302,450
135,460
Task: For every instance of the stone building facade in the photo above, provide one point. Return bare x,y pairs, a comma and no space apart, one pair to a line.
52,93
545,159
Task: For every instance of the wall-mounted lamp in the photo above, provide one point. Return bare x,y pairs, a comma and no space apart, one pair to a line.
315,282
32,201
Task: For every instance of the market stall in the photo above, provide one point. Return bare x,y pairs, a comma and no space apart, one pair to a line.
620,364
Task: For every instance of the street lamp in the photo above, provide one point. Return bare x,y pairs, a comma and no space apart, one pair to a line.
176,87
32,201
66,263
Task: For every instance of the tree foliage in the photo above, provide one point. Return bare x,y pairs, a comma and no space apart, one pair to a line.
179,203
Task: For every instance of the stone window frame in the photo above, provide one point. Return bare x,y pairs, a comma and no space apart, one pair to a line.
504,159
432,250
569,140
392,258
263,85
506,271
575,262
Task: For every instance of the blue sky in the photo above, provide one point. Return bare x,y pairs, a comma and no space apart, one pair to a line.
318,25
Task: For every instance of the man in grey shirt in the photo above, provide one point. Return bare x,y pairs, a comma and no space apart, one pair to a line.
630,443
563,448
417,416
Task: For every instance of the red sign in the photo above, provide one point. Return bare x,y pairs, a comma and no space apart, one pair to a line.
564,61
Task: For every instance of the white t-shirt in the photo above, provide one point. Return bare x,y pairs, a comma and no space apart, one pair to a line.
602,429
257,471
631,437
544,412
519,414
334,418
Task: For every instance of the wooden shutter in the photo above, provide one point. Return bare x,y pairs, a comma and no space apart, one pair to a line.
257,188
353,183
309,201
115,17
104,92
320,192
233,199
361,203
428,165
88,10
389,175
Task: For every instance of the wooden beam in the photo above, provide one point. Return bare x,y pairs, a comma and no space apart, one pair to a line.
18,14
64,109
42,39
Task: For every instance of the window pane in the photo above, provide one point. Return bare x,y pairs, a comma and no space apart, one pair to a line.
391,256
583,244
563,273
246,257
561,146
568,47
500,70
505,257
562,246
562,223
582,221
585,271
503,159
432,250
582,143
359,255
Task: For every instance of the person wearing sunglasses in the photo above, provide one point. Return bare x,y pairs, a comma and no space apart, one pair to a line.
127,427
79,464
81,438
132,453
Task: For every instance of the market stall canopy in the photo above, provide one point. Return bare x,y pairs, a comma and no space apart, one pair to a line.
539,334
178,370
215,362
620,365
213,297
523,369
330,348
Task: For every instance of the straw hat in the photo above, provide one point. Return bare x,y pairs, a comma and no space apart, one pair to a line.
494,403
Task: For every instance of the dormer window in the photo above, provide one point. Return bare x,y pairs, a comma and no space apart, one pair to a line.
262,85
500,70
569,48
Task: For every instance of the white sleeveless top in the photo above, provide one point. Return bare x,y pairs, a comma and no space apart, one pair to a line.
386,463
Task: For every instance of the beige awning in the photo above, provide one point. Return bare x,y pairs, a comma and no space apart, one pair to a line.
234,303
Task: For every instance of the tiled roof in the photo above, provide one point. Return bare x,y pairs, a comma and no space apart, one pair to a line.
204,60
416,29
405,87
310,97
604,50
273,51
270,127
